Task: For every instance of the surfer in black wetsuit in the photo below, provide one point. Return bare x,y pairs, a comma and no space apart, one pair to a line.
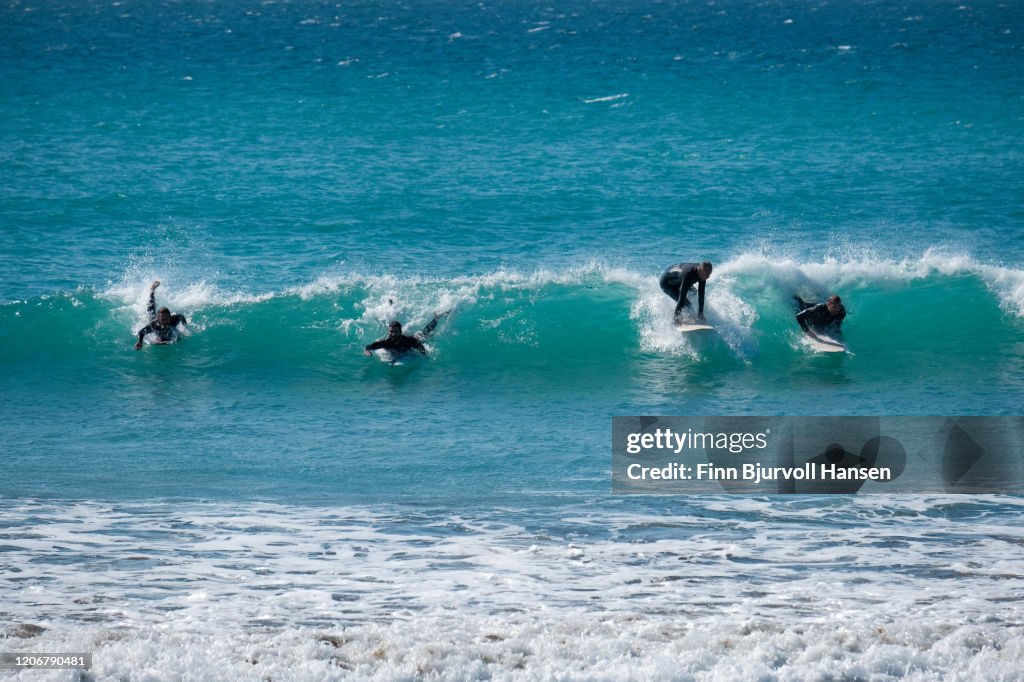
819,318
397,342
161,322
677,281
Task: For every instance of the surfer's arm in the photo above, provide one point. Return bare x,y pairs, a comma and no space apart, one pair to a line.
151,306
376,345
689,279
700,300
142,334
801,318
683,301
418,345
681,304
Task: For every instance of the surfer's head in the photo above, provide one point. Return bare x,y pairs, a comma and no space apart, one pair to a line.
704,270
395,328
163,316
835,306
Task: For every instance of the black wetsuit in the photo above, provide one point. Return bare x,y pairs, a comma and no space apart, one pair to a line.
165,332
817,318
677,281
400,343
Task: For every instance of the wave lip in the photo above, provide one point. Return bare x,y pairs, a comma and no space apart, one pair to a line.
599,311
746,271
859,271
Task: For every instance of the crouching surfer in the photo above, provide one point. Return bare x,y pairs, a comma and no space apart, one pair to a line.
677,281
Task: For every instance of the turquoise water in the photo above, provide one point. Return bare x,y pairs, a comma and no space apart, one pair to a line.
271,396
298,174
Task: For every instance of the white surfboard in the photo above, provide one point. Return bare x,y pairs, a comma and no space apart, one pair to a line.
692,327
396,359
387,356
825,345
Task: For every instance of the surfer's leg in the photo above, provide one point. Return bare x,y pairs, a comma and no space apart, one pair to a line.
429,329
670,283
151,306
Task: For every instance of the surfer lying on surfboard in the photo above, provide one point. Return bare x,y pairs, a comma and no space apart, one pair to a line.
161,322
397,342
819,318
677,281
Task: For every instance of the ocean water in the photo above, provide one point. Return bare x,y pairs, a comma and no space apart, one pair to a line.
261,500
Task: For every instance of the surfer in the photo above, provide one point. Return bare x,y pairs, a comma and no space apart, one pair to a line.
161,322
817,318
679,279
397,342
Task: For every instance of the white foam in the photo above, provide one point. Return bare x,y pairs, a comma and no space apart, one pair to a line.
733,290
133,295
860,270
414,300
734,588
